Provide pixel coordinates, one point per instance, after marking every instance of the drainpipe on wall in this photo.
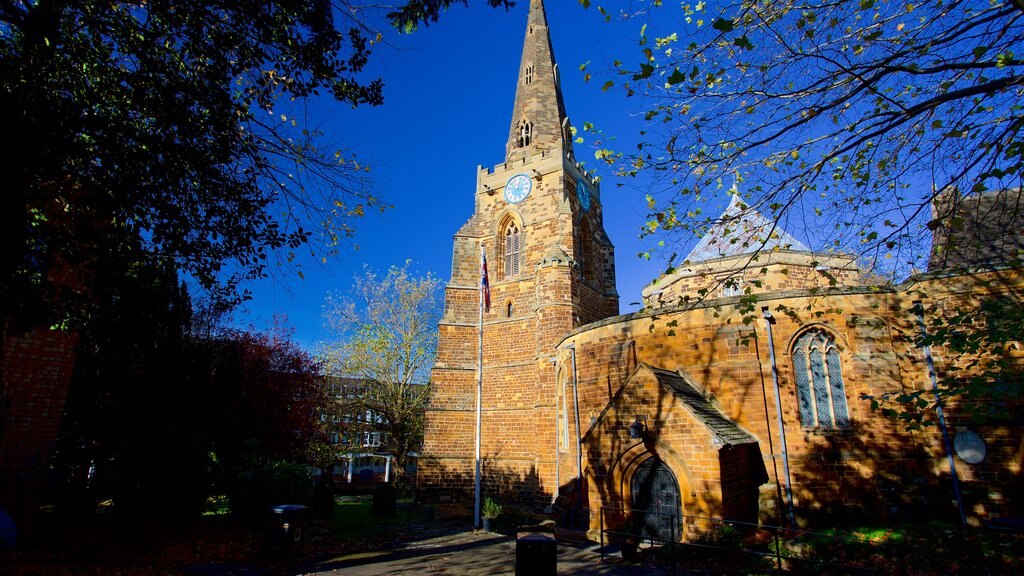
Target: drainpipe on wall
(768, 320)
(579, 436)
(938, 410)
(558, 481)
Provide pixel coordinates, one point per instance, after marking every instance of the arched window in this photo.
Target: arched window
(512, 240)
(819, 381)
(509, 310)
(732, 287)
(582, 249)
(525, 133)
(528, 75)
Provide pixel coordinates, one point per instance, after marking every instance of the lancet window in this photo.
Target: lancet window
(525, 133)
(512, 240)
(819, 381)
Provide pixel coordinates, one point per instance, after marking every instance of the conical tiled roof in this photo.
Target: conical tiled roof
(742, 230)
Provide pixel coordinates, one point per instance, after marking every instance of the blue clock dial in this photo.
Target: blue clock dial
(518, 188)
(583, 193)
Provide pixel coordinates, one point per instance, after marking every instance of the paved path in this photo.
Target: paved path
(469, 553)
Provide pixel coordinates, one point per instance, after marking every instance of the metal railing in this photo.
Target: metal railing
(730, 541)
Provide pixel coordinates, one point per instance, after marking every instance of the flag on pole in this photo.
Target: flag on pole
(485, 284)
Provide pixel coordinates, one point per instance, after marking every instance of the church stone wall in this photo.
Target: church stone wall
(875, 466)
(547, 300)
(772, 272)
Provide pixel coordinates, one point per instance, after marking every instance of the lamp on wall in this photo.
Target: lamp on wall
(638, 429)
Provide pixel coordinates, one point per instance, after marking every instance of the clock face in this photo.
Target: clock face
(583, 193)
(518, 188)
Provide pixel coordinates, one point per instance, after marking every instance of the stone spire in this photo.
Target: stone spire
(538, 116)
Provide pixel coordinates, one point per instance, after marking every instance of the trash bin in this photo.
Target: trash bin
(385, 501)
(536, 555)
(285, 526)
(323, 501)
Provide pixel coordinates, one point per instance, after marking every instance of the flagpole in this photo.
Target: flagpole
(479, 390)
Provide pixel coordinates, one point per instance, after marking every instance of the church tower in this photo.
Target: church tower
(538, 218)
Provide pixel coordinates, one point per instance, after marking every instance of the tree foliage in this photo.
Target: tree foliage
(415, 12)
(387, 339)
(984, 369)
(158, 418)
(842, 120)
(182, 127)
(172, 124)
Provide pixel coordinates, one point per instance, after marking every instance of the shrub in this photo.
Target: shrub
(274, 483)
(491, 508)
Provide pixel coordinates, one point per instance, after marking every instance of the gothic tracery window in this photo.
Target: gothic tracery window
(819, 381)
(525, 133)
(528, 76)
(512, 239)
(582, 249)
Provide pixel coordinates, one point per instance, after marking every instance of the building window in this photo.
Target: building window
(528, 75)
(819, 381)
(371, 439)
(582, 249)
(525, 133)
(512, 238)
(732, 287)
(509, 311)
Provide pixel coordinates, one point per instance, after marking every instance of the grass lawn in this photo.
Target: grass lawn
(109, 546)
(925, 549)
(353, 518)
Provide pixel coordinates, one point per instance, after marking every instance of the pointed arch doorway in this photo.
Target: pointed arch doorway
(657, 507)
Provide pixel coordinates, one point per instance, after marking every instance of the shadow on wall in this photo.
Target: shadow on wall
(444, 484)
(852, 476)
(872, 470)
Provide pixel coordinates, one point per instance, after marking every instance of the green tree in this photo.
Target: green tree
(132, 425)
(843, 119)
(170, 123)
(175, 135)
(264, 397)
(158, 418)
(180, 125)
(984, 371)
(387, 340)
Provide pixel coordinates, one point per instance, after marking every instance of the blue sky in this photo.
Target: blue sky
(449, 90)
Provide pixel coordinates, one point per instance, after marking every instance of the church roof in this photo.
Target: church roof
(742, 230)
(977, 230)
(719, 424)
(538, 93)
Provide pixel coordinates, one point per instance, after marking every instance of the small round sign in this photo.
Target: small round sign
(970, 447)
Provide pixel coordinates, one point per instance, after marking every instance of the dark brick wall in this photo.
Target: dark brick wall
(37, 370)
